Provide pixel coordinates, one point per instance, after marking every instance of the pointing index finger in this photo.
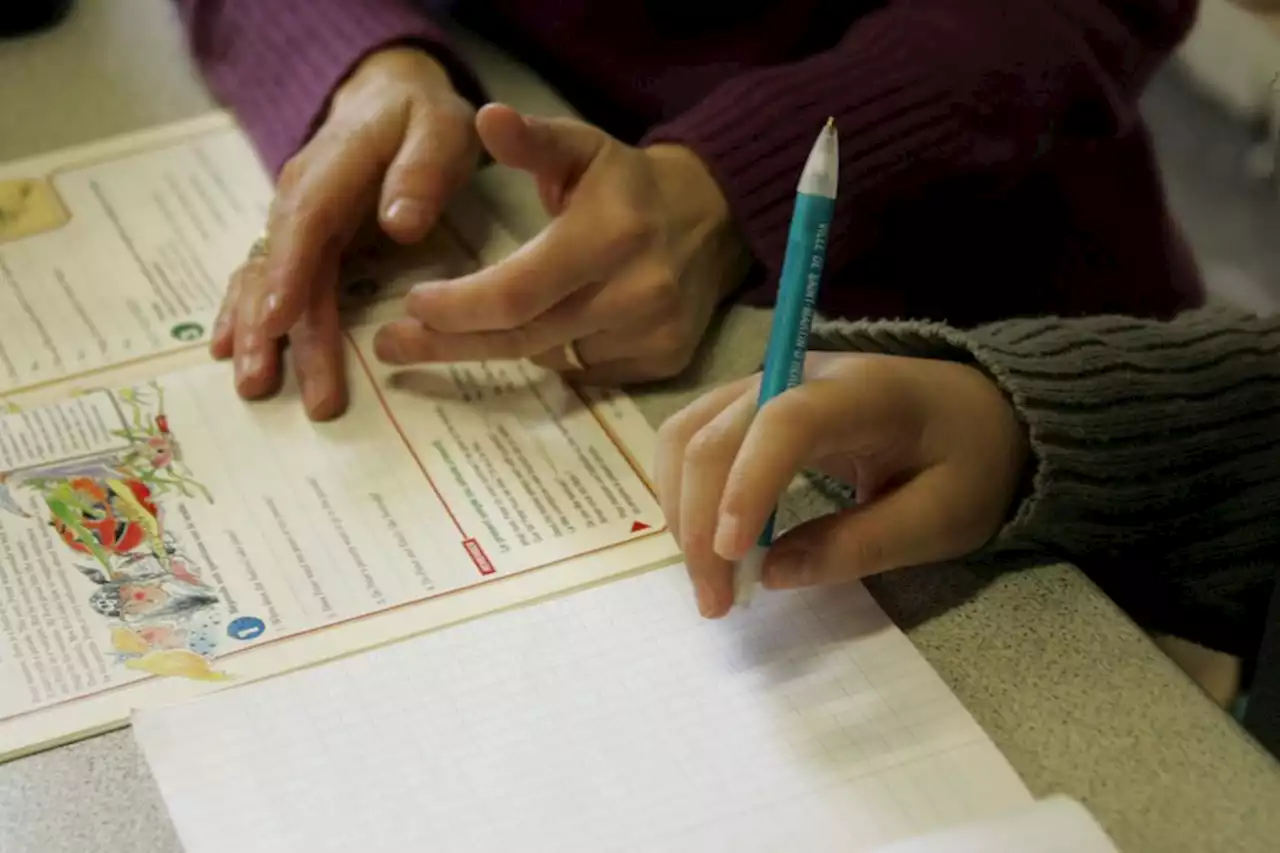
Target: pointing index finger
(775, 448)
(854, 412)
(576, 249)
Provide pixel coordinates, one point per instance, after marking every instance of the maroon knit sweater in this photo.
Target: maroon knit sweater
(993, 161)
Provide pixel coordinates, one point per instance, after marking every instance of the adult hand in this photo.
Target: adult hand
(640, 251)
(933, 448)
(397, 142)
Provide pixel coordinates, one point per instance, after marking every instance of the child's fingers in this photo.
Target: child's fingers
(674, 436)
(856, 414)
(708, 457)
(776, 446)
(911, 526)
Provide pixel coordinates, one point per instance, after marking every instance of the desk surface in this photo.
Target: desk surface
(1076, 697)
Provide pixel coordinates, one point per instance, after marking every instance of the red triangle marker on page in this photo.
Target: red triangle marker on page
(638, 526)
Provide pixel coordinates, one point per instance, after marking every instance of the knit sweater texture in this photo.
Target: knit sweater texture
(993, 159)
(1156, 463)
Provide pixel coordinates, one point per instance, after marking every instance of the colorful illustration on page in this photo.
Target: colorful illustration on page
(108, 511)
(29, 207)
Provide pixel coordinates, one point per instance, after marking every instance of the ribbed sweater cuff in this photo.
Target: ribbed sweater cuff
(275, 63)
(895, 106)
(1146, 435)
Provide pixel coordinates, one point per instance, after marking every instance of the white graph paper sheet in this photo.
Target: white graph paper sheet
(611, 719)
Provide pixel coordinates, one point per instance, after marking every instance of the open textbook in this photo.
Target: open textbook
(612, 718)
(160, 538)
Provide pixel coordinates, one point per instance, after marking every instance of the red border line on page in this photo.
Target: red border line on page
(487, 578)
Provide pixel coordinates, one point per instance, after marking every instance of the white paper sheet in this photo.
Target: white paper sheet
(1055, 825)
(611, 719)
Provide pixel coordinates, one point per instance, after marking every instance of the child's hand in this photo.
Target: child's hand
(933, 448)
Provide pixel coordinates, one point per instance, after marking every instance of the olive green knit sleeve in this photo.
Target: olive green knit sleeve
(1156, 442)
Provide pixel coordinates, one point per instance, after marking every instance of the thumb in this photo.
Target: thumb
(429, 167)
(553, 149)
(922, 522)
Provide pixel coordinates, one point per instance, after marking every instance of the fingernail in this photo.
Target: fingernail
(314, 392)
(255, 313)
(424, 287)
(784, 568)
(387, 348)
(270, 305)
(406, 213)
(249, 364)
(707, 604)
(727, 535)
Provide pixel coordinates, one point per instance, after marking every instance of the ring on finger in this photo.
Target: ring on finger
(572, 357)
(260, 247)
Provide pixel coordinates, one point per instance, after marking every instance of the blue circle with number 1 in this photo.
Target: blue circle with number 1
(246, 628)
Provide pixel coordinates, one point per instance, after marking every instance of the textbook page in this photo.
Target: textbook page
(159, 537)
(163, 538)
(119, 251)
(614, 718)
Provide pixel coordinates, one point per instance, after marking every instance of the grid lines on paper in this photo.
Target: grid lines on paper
(612, 719)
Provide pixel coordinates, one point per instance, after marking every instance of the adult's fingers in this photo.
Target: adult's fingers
(257, 362)
(434, 161)
(707, 460)
(323, 195)
(316, 347)
(557, 150)
(409, 342)
(795, 427)
(586, 242)
(612, 359)
(222, 340)
(257, 354)
(578, 248)
(922, 522)
(580, 315)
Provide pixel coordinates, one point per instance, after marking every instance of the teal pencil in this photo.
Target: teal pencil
(793, 313)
